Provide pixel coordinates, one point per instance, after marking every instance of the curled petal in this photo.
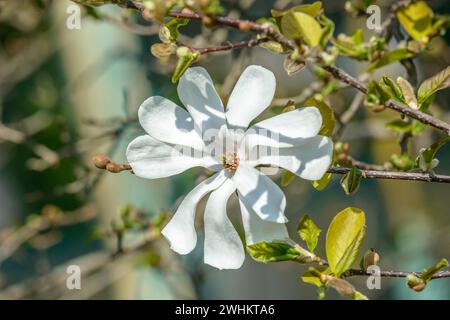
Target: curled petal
(223, 247)
(180, 231)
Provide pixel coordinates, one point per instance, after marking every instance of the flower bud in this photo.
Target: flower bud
(114, 167)
(371, 258)
(101, 161)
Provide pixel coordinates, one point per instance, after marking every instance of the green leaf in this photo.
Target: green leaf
(353, 46)
(399, 125)
(376, 96)
(301, 26)
(351, 180)
(426, 159)
(185, 58)
(327, 30)
(392, 89)
(359, 296)
(169, 32)
(427, 274)
(344, 237)
(390, 57)
(287, 178)
(310, 9)
(408, 93)
(272, 251)
(402, 162)
(416, 19)
(313, 275)
(328, 119)
(272, 46)
(308, 232)
(433, 84)
(321, 184)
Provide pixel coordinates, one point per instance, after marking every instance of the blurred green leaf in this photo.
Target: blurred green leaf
(344, 238)
(272, 251)
(419, 21)
(308, 232)
(402, 162)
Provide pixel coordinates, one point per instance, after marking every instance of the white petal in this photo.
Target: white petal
(164, 120)
(257, 230)
(153, 159)
(196, 91)
(260, 193)
(251, 95)
(223, 247)
(286, 129)
(180, 231)
(309, 161)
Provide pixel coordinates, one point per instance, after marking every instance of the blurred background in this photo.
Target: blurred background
(66, 95)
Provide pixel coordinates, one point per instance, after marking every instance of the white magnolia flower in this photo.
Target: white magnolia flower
(231, 151)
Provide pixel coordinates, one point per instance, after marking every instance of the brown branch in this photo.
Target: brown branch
(339, 74)
(231, 46)
(395, 175)
(394, 274)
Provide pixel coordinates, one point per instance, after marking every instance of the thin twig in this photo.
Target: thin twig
(395, 175)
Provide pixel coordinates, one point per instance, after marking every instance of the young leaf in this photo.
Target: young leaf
(426, 159)
(327, 113)
(408, 93)
(351, 180)
(169, 32)
(301, 26)
(309, 232)
(427, 274)
(313, 275)
(272, 251)
(344, 237)
(433, 84)
(392, 89)
(321, 184)
(390, 57)
(399, 125)
(292, 65)
(402, 162)
(311, 9)
(185, 58)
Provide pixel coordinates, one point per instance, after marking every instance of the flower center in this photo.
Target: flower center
(230, 162)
